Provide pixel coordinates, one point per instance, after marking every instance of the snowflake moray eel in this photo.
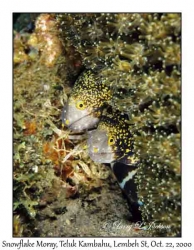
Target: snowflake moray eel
(86, 102)
(112, 141)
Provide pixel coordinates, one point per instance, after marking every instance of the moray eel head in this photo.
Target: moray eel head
(86, 101)
(99, 149)
(112, 140)
(77, 117)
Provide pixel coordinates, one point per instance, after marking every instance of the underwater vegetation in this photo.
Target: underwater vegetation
(139, 58)
(45, 165)
(135, 61)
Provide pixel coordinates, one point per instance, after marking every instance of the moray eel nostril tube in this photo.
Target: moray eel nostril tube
(86, 101)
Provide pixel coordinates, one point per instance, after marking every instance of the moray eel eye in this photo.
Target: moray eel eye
(111, 140)
(80, 105)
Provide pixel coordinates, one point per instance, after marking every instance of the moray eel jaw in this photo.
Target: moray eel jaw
(78, 120)
(98, 148)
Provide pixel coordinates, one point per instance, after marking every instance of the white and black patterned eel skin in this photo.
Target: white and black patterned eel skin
(111, 141)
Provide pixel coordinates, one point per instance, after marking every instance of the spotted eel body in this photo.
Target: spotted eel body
(112, 141)
(85, 104)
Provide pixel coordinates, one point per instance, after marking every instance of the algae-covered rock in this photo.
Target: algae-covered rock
(139, 57)
(57, 188)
